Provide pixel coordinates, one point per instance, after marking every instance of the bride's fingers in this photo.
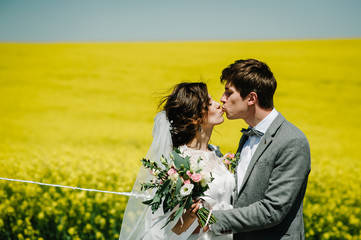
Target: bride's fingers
(195, 203)
(195, 207)
(206, 228)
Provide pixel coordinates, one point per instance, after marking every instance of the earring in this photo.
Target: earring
(199, 128)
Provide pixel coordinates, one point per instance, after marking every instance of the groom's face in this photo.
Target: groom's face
(233, 105)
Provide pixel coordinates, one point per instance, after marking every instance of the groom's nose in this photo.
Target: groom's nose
(223, 98)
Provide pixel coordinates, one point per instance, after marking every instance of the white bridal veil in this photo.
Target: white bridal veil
(138, 220)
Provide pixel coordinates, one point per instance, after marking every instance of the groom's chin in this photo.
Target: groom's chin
(230, 117)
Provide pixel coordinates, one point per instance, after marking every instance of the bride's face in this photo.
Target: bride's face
(215, 113)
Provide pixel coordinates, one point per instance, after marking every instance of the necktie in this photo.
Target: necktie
(252, 132)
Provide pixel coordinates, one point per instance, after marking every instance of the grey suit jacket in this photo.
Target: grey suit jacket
(270, 202)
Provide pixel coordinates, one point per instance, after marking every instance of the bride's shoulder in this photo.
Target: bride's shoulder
(214, 152)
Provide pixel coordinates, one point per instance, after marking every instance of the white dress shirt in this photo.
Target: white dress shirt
(251, 145)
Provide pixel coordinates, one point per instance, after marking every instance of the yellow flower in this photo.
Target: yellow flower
(60, 227)
(10, 210)
(19, 222)
(41, 215)
(102, 222)
(71, 231)
(99, 235)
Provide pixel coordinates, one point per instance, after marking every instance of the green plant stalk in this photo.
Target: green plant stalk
(203, 214)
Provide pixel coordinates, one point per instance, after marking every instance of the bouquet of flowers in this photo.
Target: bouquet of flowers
(177, 183)
(231, 160)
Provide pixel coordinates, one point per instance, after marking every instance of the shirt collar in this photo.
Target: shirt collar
(267, 121)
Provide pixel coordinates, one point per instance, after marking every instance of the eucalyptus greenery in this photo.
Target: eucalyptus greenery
(177, 183)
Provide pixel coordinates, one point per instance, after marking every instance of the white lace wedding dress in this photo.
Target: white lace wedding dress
(219, 192)
(139, 223)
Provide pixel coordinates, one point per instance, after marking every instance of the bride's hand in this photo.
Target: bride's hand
(195, 207)
(188, 217)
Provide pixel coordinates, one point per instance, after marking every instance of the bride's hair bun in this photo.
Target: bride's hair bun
(186, 108)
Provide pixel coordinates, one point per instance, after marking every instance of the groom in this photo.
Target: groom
(271, 176)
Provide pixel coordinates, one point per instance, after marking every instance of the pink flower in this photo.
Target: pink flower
(189, 174)
(196, 177)
(229, 155)
(187, 182)
(227, 161)
(172, 171)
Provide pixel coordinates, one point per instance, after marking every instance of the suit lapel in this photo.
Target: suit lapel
(242, 142)
(263, 145)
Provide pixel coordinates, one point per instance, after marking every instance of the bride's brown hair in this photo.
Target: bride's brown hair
(186, 108)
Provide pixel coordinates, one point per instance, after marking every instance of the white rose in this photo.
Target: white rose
(206, 177)
(174, 177)
(186, 189)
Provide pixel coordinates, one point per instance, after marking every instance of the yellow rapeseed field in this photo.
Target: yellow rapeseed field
(81, 115)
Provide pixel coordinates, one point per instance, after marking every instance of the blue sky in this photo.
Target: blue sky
(171, 20)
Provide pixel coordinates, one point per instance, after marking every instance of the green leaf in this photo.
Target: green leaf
(179, 185)
(177, 150)
(178, 213)
(156, 199)
(156, 202)
(179, 160)
(188, 163)
(175, 216)
(148, 202)
(189, 203)
(167, 204)
(165, 187)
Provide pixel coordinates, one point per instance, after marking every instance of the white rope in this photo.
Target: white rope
(209, 217)
(144, 196)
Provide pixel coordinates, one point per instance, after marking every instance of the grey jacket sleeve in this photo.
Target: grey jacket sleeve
(286, 182)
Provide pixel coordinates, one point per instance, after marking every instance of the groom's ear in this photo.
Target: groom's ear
(252, 98)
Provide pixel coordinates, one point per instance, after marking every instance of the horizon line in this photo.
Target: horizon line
(181, 41)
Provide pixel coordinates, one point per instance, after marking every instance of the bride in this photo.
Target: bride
(187, 123)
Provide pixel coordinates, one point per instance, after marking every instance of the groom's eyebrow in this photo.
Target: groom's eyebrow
(227, 89)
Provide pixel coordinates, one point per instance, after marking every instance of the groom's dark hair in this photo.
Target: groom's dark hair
(251, 75)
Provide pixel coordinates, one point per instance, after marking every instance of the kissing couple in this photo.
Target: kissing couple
(263, 197)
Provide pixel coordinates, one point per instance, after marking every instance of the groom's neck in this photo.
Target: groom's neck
(257, 115)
